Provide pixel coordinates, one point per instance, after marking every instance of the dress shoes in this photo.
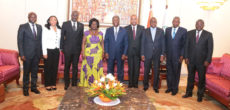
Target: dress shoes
(25, 93)
(36, 91)
(199, 99)
(156, 90)
(187, 95)
(168, 91)
(145, 89)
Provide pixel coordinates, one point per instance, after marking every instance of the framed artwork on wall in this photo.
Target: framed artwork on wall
(104, 10)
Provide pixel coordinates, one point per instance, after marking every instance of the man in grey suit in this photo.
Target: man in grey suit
(30, 51)
(135, 34)
(152, 51)
(198, 55)
(175, 38)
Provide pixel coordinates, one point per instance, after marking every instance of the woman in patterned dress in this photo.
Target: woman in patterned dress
(92, 53)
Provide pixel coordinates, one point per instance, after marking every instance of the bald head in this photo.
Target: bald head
(199, 24)
(74, 16)
(176, 21)
(153, 22)
(32, 17)
(133, 20)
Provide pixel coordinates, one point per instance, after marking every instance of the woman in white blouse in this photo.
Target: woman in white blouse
(51, 36)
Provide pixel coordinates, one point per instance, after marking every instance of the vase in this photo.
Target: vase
(103, 98)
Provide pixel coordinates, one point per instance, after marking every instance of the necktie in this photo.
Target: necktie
(115, 34)
(134, 33)
(174, 33)
(197, 36)
(34, 32)
(74, 26)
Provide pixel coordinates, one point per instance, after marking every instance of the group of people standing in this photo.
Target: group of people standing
(133, 42)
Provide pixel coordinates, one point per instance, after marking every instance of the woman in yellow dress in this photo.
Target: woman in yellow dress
(92, 53)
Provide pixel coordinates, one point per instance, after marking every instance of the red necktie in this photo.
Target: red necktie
(134, 34)
(197, 37)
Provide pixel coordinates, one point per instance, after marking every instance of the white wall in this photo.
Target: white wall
(14, 13)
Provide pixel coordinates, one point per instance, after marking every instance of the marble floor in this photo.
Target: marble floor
(49, 100)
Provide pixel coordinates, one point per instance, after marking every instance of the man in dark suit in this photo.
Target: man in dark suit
(175, 38)
(198, 55)
(116, 45)
(30, 51)
(71, 41)
(152, 51)
(135, 33)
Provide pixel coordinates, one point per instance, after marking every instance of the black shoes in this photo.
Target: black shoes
(199, 99)
(174, 93)
(136, 86)
(187, 95)
(145, 89)
(49, 89)
(168, 91)
(156, 90)
(132, 86)
(36, 91)
(25, 93)
(129, 86)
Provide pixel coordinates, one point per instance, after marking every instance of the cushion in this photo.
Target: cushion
(8, 71)
(225, 71)
(215, 67)
(221, 85)
(1, 60)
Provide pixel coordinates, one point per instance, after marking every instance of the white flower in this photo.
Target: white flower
(102, 79)
(114, 84)
(96, 81)
(107, 86)
(121, 84)
(110, 76)
(99, 84)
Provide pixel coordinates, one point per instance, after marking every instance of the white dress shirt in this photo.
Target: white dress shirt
(118, 27)
(200, 32)
(50, 39)
(31, 27)
(75, 24)
(135, 27)
(173, 31)
(153, 32)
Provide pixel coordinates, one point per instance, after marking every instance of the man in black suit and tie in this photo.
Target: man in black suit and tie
(198, 55)
(152, 51)
(135, 33)
(71, 41)
(175, 38)
(30, 51)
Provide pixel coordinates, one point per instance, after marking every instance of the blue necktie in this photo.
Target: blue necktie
(174, 33)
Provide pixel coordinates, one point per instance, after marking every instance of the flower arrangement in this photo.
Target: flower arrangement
(107, 88)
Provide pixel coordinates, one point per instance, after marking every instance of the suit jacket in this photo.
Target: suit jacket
(116, 48)
(175, 47)
(134, 47)
(71, 40)
(198, 53)
(153, 49)
(28, 46)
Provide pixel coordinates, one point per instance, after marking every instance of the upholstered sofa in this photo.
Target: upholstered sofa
(62, 63)
(218, 79)
(9, 67)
